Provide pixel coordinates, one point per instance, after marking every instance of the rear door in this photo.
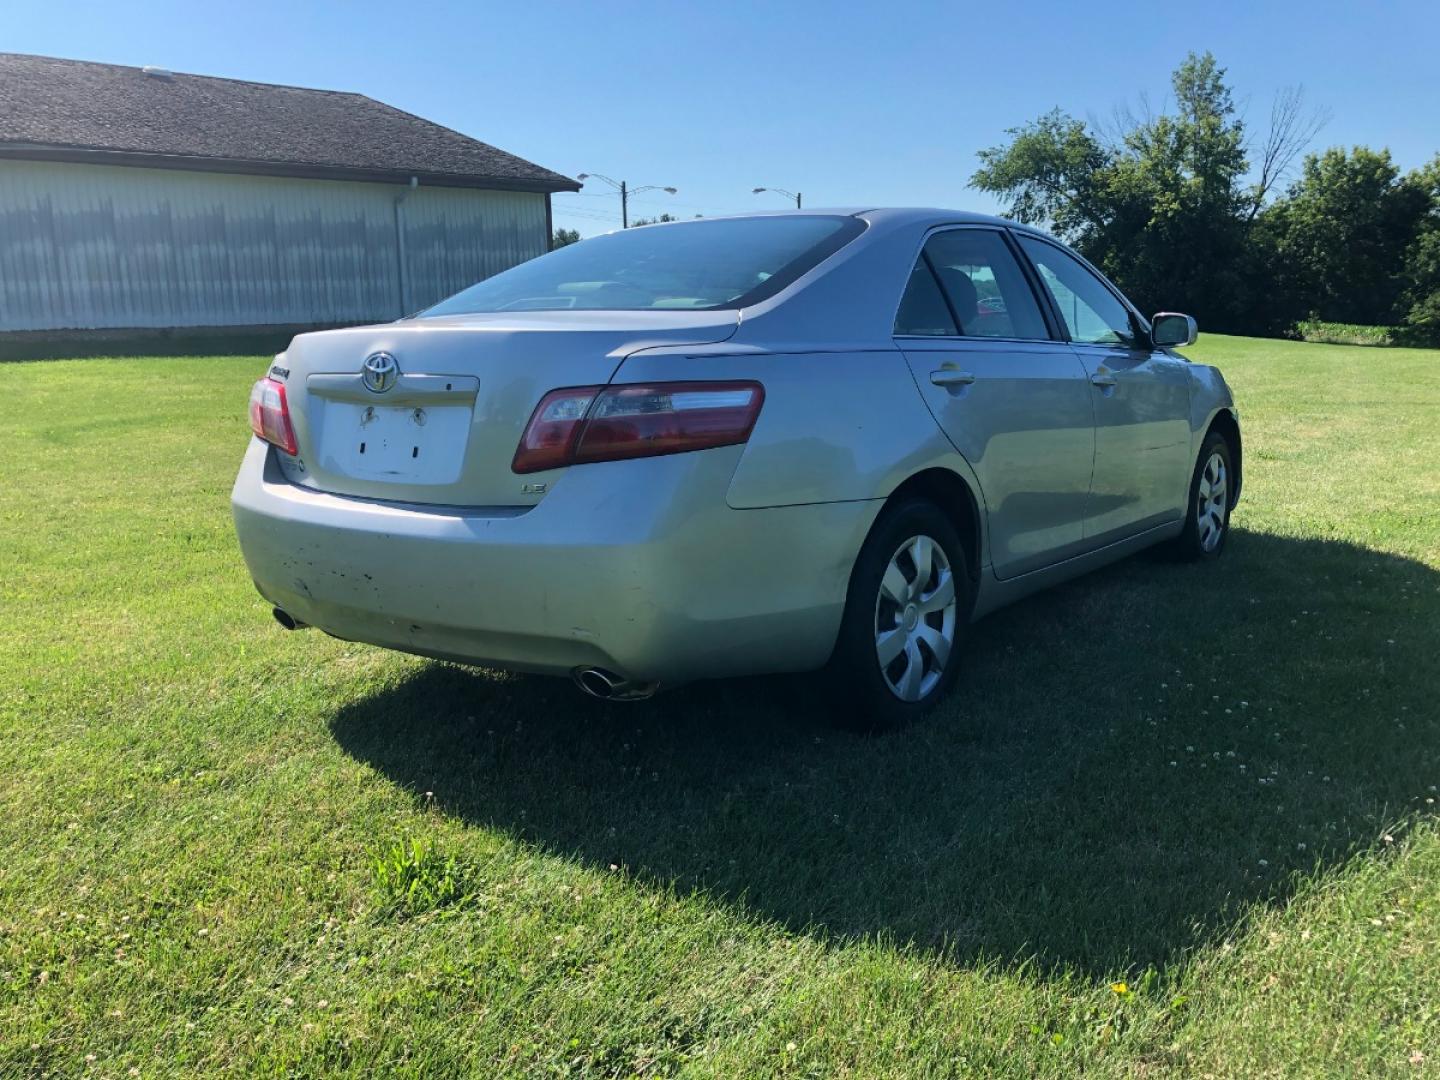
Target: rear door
(1141, 398)
(1015, 402)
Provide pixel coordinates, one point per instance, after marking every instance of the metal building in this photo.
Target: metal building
(137, 198)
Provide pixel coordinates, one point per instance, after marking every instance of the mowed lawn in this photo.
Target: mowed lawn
(1175, 820)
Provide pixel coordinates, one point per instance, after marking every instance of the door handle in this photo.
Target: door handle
(951, 377)
(1102, 380)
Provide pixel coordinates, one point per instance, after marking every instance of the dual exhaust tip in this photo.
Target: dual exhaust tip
(597, 682)
(607, 686)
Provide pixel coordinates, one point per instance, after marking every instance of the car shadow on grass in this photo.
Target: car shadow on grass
(1129, 762)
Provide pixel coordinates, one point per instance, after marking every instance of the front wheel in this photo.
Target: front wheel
(909, 603)
(1212, 487)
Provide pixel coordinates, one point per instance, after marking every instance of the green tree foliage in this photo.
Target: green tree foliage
(564, 238)
(1422, 285)
(1160, 209)
(1342, 234)
(1173, 208)
(1181, 182)
(1053, 170)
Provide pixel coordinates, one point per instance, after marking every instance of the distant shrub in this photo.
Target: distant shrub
(1333, 333)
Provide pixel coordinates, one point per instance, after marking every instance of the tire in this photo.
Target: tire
(1207, 512)
(888, 597)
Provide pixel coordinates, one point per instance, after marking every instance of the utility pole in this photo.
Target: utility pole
(779, 191)
(625, 191)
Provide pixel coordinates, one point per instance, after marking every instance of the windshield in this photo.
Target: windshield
(691, 265)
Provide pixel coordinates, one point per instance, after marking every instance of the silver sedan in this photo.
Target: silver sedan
(782, 442)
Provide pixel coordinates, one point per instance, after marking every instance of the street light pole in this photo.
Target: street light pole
(779, 191)
(625, 191)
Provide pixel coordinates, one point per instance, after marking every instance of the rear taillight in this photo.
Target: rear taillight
(270, 415)
(554, 429)
(594, 423)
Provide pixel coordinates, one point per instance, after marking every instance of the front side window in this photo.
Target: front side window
(967, 281)
(691, 265)
(1091, 311)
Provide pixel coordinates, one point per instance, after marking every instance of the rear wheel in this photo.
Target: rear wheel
(905, 616)
(1212, 493)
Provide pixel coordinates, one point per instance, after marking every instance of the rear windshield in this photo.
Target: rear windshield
(689, 265)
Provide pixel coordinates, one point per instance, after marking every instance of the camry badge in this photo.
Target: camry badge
(379, 372)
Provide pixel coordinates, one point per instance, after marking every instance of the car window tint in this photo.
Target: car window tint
(1091, 311)
(987, 290)
(923, 309)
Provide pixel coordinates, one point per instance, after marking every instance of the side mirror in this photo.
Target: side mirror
(1170, 329)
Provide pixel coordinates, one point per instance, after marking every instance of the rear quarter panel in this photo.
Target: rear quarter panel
(836, 426)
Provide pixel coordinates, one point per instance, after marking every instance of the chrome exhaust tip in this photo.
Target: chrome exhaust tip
(597, 682)
(607, 686)
(288, 621)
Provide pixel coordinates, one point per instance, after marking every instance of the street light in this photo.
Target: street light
(780, 191)
(625, 192)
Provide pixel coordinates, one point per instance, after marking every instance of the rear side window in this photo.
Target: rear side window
(1091, 311)
(979, 285)
(923, 309)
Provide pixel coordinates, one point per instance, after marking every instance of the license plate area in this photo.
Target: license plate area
(416, 444)
(416, 433)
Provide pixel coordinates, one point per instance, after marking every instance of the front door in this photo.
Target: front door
(1141, 398)
(1015, 403)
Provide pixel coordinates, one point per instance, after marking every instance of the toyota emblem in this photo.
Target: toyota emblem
(379, 372)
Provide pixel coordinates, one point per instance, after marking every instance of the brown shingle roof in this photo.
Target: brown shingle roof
(80, 110)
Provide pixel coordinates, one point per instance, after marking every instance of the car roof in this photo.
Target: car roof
(931, 215)
(881, 215)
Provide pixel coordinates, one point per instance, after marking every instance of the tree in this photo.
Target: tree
(1180, 187)
(1421, 297)
(652, 221)
(564, 238)
(1053, 170)
(1292, 128)
(1163, 205)
(1343, 233)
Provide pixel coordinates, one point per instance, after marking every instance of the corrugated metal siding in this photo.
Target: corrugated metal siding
(453, 239)
(100, 247)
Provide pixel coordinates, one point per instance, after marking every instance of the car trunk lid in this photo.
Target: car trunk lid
(438, 414)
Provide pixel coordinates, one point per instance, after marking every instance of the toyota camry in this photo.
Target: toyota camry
(808, 441)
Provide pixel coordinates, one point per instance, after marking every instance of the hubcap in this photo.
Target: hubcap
(915, 618)
(1210, 504)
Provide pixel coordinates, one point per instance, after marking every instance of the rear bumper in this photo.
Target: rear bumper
(635, 566)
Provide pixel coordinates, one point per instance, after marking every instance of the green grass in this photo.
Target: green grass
(1214, 785)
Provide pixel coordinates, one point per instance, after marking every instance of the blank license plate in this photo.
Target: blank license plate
(400, 443)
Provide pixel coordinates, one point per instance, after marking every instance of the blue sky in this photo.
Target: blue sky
(874, 104)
